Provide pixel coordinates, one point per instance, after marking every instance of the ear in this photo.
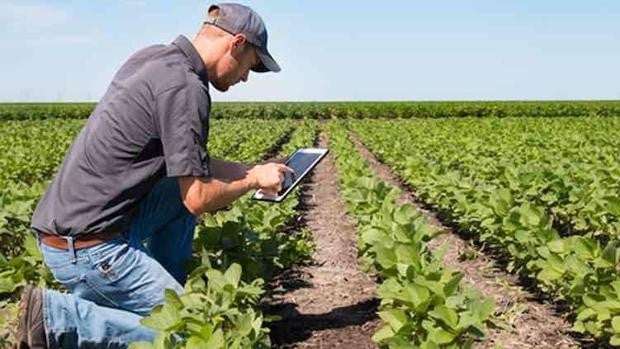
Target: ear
(238, 41)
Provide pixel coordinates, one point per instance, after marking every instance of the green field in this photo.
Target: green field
(331, 110)
(536, 185)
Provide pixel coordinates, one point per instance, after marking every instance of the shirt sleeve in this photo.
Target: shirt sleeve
(179, 116)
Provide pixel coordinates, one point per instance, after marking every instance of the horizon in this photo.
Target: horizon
(360, 101)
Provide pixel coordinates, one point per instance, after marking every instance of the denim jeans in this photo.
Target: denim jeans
(114, 284)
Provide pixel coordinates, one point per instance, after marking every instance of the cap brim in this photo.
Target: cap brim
(267, 63)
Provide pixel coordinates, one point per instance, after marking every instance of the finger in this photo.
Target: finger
(275, 190)
(269, 191)
(284, 168)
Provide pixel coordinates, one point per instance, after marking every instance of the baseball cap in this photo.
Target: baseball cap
(240, 19)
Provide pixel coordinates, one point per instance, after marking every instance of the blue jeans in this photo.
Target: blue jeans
(114, 284)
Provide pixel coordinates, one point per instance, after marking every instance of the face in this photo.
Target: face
(235, 64)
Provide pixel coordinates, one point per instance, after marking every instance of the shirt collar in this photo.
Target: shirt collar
(192, 55)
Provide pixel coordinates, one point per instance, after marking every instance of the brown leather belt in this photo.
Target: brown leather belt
(79, 242)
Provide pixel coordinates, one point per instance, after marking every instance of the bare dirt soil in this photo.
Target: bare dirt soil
(527, 321)
(330, 303)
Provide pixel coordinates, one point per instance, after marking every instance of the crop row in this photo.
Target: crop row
(32, 150)
(330, 110)
(423, 305)
(543, 193)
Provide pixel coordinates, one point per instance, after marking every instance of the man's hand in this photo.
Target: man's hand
(269, 177)
(202, 195)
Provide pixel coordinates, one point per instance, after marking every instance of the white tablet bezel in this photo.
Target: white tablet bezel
(321, 151)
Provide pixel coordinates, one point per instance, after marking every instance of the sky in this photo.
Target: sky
(331, 50)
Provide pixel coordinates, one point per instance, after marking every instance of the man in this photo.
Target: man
(116, 224)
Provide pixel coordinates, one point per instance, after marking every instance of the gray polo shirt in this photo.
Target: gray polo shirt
(153, 121)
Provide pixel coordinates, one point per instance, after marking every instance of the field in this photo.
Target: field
(429, 225)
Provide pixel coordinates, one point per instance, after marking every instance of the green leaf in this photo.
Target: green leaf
(530, 215)
(615, 324)
(6, 285)
(447, 315)
(583, 248)
(441, 336)
(548, 275)
(416, 294)
(386, 257)
(195, 342)
(592, 299)
(384, 333)
(556, 246)
(429, 345)
(162, 318)
(216, 279)
(405, 254)
(585, 314)
(217, 340)
(233, 274)
(523, 236)
(244, 326)
(403, 269)
(613, 205)
(485, 309)
(396, 318)
(579, 327)
(452, 285)
(404, 215)
(172, 298)
(30, 245)
(372, 236)
(610, 253)
(501, 201)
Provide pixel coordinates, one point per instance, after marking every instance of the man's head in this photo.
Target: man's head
(231, 42)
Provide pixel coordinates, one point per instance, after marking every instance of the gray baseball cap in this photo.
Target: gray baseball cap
(240, 19)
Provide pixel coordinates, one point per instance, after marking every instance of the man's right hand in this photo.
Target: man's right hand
(268, 177)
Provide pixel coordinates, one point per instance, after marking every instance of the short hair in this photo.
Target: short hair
(213, 11)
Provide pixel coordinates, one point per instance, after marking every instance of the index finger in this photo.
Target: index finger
(284, 168)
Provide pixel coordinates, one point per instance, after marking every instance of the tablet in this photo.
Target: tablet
(302, 161)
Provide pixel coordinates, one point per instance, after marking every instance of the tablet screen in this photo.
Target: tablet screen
(300, 162)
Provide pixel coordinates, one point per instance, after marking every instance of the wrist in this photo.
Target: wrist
(250, 180)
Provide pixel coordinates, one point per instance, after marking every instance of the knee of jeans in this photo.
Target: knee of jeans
(137, 284)
(156, 295)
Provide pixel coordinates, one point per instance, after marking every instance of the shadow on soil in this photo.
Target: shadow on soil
(296, 327)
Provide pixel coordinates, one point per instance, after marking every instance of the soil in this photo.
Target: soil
(525, 321)
(331, 303)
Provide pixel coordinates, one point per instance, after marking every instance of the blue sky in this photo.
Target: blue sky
(332, 50)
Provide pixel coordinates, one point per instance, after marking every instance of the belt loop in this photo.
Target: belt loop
(71, 248)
